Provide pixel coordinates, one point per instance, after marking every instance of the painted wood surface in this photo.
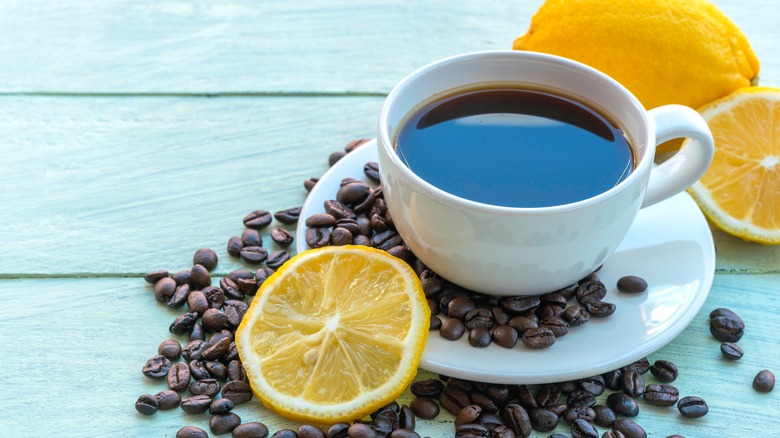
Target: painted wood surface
(134, 132)
(200, 46)
(74, 348)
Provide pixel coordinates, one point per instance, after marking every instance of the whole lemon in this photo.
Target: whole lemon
(664, 51)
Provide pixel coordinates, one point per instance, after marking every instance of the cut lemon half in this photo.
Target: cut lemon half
(740, 192)
(335, 334)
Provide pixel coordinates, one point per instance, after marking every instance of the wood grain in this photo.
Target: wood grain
(198, 46)
(76, 348)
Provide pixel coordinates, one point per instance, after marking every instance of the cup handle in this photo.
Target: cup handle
(686, 166)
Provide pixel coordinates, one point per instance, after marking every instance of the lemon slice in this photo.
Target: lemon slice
(740, 192)
(335, 334)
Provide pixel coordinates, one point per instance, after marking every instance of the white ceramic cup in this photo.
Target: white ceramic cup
(527, 251)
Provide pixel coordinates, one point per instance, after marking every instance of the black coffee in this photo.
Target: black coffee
(515, 147)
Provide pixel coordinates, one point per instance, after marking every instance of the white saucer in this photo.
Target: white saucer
(669, 245)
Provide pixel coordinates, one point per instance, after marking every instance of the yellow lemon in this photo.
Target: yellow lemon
(664, 51)
(740, 192)
(335, 334)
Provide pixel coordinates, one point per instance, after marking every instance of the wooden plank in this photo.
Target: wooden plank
(136, 46)
(124, 186)
(77, 347)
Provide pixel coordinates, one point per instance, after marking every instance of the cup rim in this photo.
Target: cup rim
(642, 163)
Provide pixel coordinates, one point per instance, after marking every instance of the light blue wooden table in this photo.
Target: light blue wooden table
(134, 132)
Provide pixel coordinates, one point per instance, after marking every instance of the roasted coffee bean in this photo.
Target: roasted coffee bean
(613, 379)
(169, 348)
(363, 206)
(167, 399)
(401, 252)
(353, 193)
(196, 404)
(146, 404)
(262, 274)
(317, 237)
(427, 388)
(247, 286)
(548, 395)
(235, 311)
(600, 309)
(155, 276)
(406, 418)
(371, 170)
(216, 369)
(501, 431)
(164, 289)
(591, 291)
(581, 398)
(254, 254)
(215, 296)
(360, 430)
(221, 406)
(573, 414)
(543, 420)
(483, 401)
(197, 302)
(518, 305)
(182, 277)
(661, 394)
(452, 329)
(632, 284)
(179, 296)
(664, 370)
(500, 317)
(232, 292)
(583, 429)
(338, 210)
(731, 351)
(320, 220)
(217, 349)
(642, 366)
(224, 333)
(335, 156)
(548, 311)
(526, 397)
(193, 350)
(391, 407)
(238, 274)
(277, 258)
(252, 429)
(209, 387)
(472, 430)
(623, 404)
(633, 383)
(764, 381)
(205, 257)
(386, 240)
(727, 328)
(157, 367)
(505, 336)
(479, 337)
(361, 240)
(556, 324)
(286, 433)
(309, 431)
(604, 416)
(200, 277)
(692, 407)
(234, 246)
(235, 371)
(424, 407)
(516, 418)
(179, 376)
(594, 384)
(191, 432)
(435, 323)
(468, 414)
(338, 430)
(613, 434)
(538, 337)
(257, 219)
(232, 353)
(309, 184)
(569, 386)
(214, 320)
(224, 423)
(629, 428)
(282, 237)
(576, 316)
(522, 323)
(288, 216)
(558, 409)
(238, 391)
(478, 317)
(197, 332)
(499, 393)
(251, 237)
(454, 399)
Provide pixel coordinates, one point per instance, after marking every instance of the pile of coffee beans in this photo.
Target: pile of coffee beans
(205, 375)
